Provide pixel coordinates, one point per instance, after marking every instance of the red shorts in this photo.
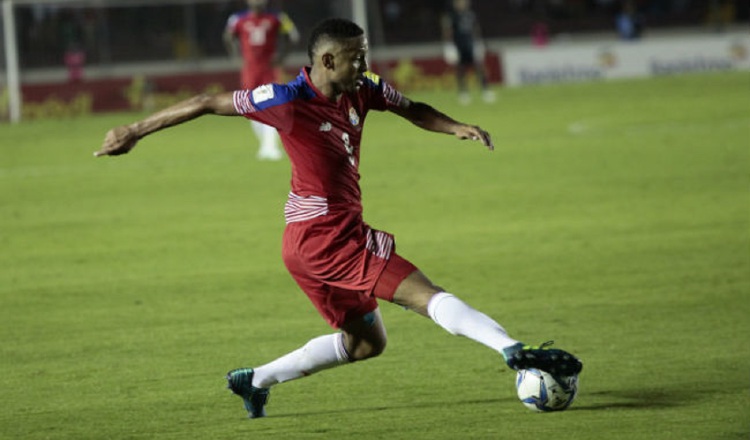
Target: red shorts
(343, 265)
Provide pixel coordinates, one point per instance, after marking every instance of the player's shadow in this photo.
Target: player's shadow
(635, 399)
(426, 404)
(601, 400)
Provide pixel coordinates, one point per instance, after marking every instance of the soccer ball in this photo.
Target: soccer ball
(540, 391)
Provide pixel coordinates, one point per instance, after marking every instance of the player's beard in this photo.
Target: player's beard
(351, 86)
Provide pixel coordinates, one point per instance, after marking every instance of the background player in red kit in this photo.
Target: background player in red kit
(262, 38)
(339, 261)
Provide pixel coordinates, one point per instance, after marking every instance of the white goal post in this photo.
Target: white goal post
(11, 62)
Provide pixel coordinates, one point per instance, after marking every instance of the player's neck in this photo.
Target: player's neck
(320, 81)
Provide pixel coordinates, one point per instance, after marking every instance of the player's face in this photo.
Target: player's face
(351, 63)
(461, 5)
(257, 4)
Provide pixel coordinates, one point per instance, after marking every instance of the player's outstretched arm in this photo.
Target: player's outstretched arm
(425, 116)
(122, 139)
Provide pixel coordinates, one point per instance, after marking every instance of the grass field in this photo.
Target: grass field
(613, 218)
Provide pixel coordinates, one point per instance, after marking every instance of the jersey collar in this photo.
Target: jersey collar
(305, 72)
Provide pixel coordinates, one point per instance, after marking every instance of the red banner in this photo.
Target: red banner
(150, 93)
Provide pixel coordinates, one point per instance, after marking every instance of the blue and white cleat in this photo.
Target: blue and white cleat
(240, 381)
(557, 362)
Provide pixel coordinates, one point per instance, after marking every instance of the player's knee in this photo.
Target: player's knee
(365, 338)
(367, 349)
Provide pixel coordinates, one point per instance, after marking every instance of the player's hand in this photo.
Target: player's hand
(474, 133)
(118, 140)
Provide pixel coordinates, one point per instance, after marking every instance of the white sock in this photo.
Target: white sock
(318, 354)
(258, 130)
(269, 139)
(459, 318)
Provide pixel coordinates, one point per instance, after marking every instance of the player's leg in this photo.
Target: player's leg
(416, 292)
(258, 130)
(362, 336)
(252, 77)
(253, 384)
(464, 97)
(465, 62)
(269, 143)
(487, 94)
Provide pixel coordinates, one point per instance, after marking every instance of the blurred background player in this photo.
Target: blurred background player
(629, 22)
(263, 38)
(464, 48)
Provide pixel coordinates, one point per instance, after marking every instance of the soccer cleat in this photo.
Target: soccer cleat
(240, 381)
(552, 360)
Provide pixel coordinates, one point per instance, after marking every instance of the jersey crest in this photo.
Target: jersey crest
(353, 116)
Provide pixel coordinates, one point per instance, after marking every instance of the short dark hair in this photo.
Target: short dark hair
(333, 28)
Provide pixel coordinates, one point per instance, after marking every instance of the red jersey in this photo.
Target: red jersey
(258, 34)
(335, 257)
(320, 137)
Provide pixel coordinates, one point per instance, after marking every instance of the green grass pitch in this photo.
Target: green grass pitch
(613, 218)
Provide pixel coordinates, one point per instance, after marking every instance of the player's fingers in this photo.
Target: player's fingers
(118, 141)
(106, 147)
(476, 134)
(105, 151)
(481, 135)
(487, 140)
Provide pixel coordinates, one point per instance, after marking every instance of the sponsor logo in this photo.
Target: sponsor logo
(690, 64)
(738, 51)
(325, 126)
(530, 75)
(607, 59)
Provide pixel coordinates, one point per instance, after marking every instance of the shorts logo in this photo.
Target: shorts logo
(263, 93)
(353, 116)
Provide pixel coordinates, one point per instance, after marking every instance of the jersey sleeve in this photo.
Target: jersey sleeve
(269, 104)
(382, 95)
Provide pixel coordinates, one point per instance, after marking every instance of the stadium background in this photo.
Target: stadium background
(612, 217)
(143, 55)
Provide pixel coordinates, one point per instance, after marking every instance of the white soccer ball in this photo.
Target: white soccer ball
(540, 391)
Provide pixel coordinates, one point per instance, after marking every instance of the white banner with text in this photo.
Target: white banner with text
(599, 61)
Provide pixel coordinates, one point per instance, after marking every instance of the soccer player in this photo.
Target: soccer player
(263, 38)
(338, 260)
(461, 33)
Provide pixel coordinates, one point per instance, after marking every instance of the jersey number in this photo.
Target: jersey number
(349, 148)
(256, 33)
